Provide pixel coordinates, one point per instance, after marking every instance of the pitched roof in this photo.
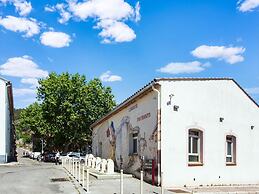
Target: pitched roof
(155, 81)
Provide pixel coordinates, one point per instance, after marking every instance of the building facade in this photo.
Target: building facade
(191, 131)
(7, 131)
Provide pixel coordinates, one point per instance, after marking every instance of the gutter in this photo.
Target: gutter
(158, 133)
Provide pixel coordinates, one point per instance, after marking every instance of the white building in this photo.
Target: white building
(7, 132)
(199, 131)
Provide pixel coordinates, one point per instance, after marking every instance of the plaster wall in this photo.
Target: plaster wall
(201, 104)
(112, 138)
(2, 121)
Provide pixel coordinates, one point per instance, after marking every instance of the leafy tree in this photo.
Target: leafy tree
(31, 125)
(69, 105)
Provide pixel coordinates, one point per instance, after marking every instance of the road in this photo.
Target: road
(30, 176)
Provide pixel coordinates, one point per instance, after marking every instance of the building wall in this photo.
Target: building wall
(201, 104)
(2, 121)
(8, 128)
(114, 134)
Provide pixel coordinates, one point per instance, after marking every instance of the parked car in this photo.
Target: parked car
(49, 157)
(35, 155)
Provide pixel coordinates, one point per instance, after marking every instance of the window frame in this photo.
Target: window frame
(199, 147)
(135, 139)
(232, 140)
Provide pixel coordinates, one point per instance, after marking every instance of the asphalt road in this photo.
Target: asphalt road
(30, 176)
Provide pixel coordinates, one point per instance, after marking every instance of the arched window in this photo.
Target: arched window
(230, 150)
(195, 143)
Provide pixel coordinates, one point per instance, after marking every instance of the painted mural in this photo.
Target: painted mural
(116, 135)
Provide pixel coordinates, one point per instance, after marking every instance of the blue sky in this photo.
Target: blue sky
(127, 43)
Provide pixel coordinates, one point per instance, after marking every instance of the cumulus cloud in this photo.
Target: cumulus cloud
(228, 54)
(29, 27)
(187, 67)
(108, 77)
(110, 16)
(252, 91)
(23, 92)
(29, 72)
(137, 12)
(22, 67)
(55, 39)
(23, 7)
(248, 5)
(113, 31)
(31, 81)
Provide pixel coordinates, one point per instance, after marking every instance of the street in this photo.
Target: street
(30, 176)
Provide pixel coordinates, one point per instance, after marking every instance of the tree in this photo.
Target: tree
(31, 125)
(70, 105)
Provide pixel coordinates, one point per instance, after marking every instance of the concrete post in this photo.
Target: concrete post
(79, 172)
(141, 182)
(72, 166)
(75, 169)
(121, 187)
(87, 180)
(83, 175)
(62, 162)
(162, 184)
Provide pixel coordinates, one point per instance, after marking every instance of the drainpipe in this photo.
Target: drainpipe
(158, 134)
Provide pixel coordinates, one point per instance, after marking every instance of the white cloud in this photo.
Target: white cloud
(48, 8)
(55, 39)
(108, 77)
(23, 92)
(102, 9)
(179, 67)
(22, 67)
(29, 27)
(110, 16)
(113, 31)
(31, 81)
(248, 5)
(137, 12)
(229, 54)
(252, 91)
(23, 7)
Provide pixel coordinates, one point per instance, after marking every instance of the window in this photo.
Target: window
(135, 143)
(195, 146)
(100, 149)
(230, 149)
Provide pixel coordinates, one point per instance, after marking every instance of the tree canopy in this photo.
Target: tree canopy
(68, 105)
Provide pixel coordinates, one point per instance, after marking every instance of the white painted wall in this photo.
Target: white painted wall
(2, 118)
(201, 104)
(125, 122)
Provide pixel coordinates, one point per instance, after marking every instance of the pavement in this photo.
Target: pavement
(28, 176)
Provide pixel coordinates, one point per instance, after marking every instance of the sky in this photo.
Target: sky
(127, 43)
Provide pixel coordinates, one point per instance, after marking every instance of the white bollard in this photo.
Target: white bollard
(121, 187)
(87, 180)
(83, 175)
(162, 185)
(141, 182)
(73, 167)
(79, 172)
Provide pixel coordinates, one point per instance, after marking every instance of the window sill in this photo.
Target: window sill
(231, 164)
(195, 164)
(133, 154)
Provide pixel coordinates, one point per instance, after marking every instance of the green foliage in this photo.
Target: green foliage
(69, 105)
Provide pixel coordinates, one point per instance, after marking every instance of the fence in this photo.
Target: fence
(81, 173)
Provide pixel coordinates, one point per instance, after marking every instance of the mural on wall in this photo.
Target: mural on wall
(110, 133)
(119, 138)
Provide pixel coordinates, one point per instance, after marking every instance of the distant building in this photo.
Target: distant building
(7, 130)
(195, 131)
